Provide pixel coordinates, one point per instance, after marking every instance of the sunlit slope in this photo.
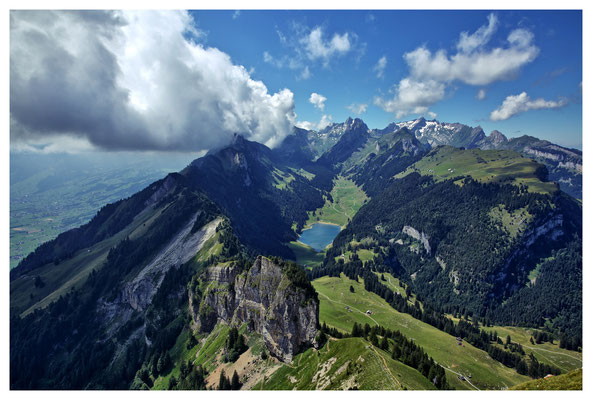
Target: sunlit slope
(346, 199)
(570, 381)
(547, 353)
(484, 165)
(335, 294)
(351, 363)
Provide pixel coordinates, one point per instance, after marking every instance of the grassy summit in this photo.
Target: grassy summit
(483, 165)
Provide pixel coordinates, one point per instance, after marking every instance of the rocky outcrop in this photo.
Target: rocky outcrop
(552, 228)
(138, 293)
(421, 236)
(265, 299)
(495, 140)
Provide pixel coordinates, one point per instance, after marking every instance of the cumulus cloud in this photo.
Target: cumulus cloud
(317, 47)
(308, 47)
(133, 81)
(412, 97)
(432, 114)
(478, 67)
(308, 125)
(318, 100)
(380, 67)
(474, 63)
(357, 109)
(481, 94)
(520, 103)
(325, 121)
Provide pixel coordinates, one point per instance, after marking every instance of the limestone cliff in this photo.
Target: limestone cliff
(264, 296)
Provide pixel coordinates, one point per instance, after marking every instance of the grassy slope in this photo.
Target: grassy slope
(306, 255)
(486, 373)
(347, 200)
(570, 381)
(205, 353)
(482, 165)
(393, 283)
(346, 363)
(61, 278)
(547, 353)
(53, 200)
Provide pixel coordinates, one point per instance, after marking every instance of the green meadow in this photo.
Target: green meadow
(335, 295)
(483, 165)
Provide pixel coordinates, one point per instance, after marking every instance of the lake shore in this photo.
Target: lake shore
(319, 236)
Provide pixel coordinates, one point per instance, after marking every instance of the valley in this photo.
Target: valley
(345, 200)
(414, 285)
(296, 199)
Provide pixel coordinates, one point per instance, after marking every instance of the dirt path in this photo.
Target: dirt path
(387, 369)
(454, 372)
(353, 308)
(337, 211)
(554, 352)
(395, 288)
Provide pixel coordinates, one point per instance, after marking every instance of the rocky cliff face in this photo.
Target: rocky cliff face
(265, 299)
(417, 235)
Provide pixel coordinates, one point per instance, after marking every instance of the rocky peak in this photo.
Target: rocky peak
(268, 297)
(497, 136)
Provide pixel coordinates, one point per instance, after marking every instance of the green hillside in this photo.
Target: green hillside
(335, 295)
(548, 353)
(483, 165)
(351, 363)
(570, 381)
(346, 200)
(60, 277)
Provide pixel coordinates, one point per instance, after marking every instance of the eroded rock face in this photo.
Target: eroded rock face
(263, 297)
(417, 235)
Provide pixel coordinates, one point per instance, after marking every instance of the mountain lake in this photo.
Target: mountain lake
(319, 235)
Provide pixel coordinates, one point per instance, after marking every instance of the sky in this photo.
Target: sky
(187, 80)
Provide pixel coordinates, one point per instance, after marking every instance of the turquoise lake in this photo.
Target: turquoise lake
(319, 235)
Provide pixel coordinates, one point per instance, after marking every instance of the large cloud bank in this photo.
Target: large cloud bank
(132, 81)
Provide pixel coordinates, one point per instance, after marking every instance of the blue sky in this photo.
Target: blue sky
(186, 81)
(554, 74)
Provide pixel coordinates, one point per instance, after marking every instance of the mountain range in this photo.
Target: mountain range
(190, 278)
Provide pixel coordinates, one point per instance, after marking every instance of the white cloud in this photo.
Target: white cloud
(357, 109)
(309, 47)
(316, 47)
(479, 67)
(133, 80)
(325, 121)
(308, 125)
(432, 114)
(305, 73)
(236, 14)
(380, 67)
(412, 97)
(318, 100)
(473, 64)
(468, 43)
(520, 103)
(481, 94)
